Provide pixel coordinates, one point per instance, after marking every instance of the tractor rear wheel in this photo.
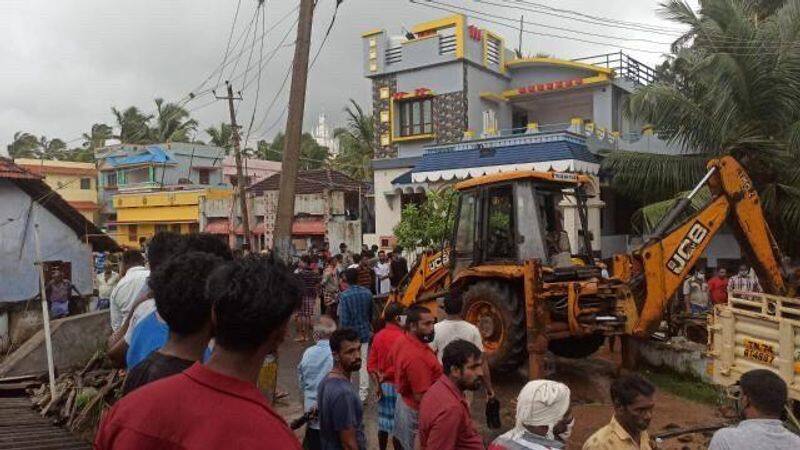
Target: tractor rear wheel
(498, 312)
(576, 347)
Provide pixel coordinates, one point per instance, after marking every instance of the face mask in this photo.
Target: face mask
(563, 437)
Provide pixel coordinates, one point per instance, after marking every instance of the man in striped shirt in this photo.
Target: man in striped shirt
(744, 281)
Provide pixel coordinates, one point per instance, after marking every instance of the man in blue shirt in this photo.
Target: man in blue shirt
(355, 311)
(317, 361)
(341, 414)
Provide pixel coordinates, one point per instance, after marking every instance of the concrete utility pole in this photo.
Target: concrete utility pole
(282, 236)
(240, 183)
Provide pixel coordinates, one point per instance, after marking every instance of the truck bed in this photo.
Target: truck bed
(756, 331)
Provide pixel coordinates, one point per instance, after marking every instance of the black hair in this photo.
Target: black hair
(178, 287)
(132, 258)
(251, 297)
(457, 353)
(163, 245)
(208, 243)
(398, 249)
(453, 303)
(392, 311)
(351, 276)
(381, 251)
(625, 389)
(339, 257)
(342, 245)
(766, 391)
(342, 335)
(414, 314)
(374, 247)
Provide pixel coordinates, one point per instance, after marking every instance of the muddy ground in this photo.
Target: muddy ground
(588, 379)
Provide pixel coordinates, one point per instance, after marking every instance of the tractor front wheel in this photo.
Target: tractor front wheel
(498, 312)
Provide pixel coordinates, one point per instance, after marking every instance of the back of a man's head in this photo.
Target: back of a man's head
(178, 286)
(393, 311)
(766, 391)
(132, 258)
(162, 246)
(252, 298)
(207, 243)
(351, 276)
(625, 389)
(453, 304)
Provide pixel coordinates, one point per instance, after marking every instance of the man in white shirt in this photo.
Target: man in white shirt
(106, 281)
(454, 327)
(761, 405)
(129, 287)
(382, 283)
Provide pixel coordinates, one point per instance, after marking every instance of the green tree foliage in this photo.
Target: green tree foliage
(312, 155)
(133, 125)
(356, 143)
(221, 136)
(733, 89)
(173, 123)
(428, 224)
(24, 145)
(97, 136)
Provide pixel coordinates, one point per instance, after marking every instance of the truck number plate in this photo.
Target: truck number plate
(759, 351)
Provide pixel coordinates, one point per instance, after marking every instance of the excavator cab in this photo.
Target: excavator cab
(516, 220)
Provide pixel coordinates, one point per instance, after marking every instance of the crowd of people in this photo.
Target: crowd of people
(193, 325)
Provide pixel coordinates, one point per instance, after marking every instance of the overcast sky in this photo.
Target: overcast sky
(65, 63)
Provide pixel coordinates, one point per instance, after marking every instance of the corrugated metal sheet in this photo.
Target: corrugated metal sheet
(21, 428)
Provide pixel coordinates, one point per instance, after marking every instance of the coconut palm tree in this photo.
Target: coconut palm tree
(133, 126)
(173, 123)
(735, 91)
(221, 136)
(23, 145)
(98, 136)
(356, 143)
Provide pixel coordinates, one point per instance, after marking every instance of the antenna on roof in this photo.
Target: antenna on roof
(519, 46)
(409, 35)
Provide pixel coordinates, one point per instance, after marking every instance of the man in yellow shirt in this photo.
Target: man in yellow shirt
(632, 396)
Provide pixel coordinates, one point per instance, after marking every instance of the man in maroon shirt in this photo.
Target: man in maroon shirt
(381, 367)
(416, 369)
(444, 419)
(217, 405)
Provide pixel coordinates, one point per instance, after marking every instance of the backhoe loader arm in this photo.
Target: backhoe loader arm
(666, 259)
(426, 280)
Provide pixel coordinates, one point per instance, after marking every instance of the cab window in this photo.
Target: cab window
(465, 232)
(500, 223)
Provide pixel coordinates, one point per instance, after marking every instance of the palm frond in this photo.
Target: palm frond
(645, 219)
(653, 177)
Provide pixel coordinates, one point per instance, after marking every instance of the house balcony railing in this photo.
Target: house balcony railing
(623, 66)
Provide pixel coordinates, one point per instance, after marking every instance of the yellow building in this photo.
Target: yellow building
(144, 214)
(76, 182)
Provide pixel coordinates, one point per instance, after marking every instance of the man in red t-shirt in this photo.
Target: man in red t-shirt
(444, 419)
(217, 404)
(416, 369)
(381, 368)
(718, 287)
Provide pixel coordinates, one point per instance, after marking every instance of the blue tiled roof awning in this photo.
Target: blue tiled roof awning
(153, 154)
(486, 157)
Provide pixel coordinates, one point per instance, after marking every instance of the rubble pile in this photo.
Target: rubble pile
(80, 397)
